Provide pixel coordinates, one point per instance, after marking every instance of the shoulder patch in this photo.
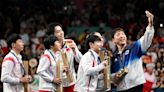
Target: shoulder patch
(115, 60)
(127, 52)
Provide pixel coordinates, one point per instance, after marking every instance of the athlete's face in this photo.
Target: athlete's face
(18, 45)
(96, 46)
(120, 38)
(57, 45)
(59, 33)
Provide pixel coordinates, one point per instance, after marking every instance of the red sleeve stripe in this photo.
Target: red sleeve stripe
(46, 55)
(9, 59)
(90, 77)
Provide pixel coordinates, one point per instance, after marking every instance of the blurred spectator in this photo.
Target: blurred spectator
(1, 59)
(34, 85)
(151, 81)
(4, 47)
(24, 36)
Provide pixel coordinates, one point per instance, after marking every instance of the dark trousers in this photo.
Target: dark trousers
(138, 88)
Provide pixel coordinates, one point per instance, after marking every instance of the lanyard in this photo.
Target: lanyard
(22, 67)
(52, 55)
(122, 62)
(98, 60)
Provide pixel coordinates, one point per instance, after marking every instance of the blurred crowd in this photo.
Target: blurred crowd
(30, 19)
